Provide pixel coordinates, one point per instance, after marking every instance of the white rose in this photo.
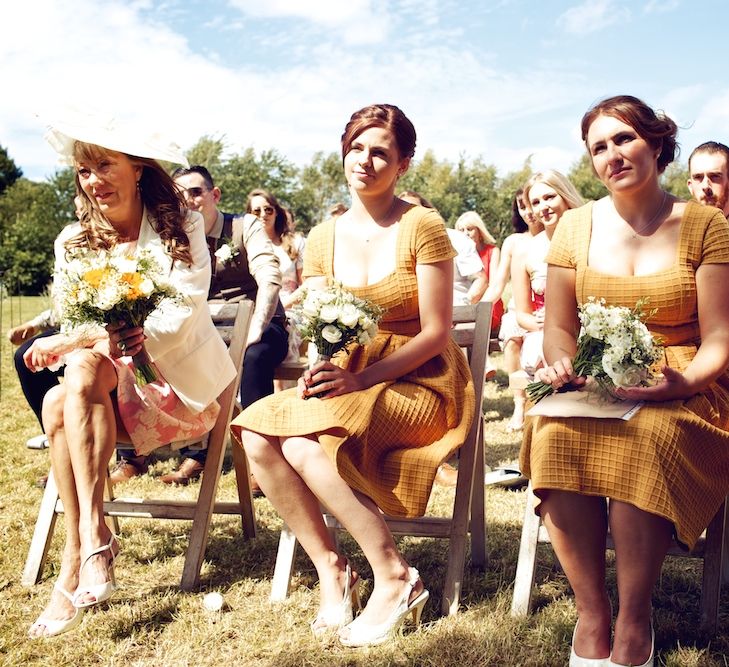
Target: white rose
(331, 334)
(364, 338)
(329, 312)
(372, 330)
(631, 377)
(124, 264)
(349, 315)
(327, 297)
(310, 307)
(146, 287)
(107, 299)
(224, 253)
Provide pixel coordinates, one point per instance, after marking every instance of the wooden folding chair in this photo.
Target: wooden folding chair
(472, 332)
(231, 321)
(709, 548)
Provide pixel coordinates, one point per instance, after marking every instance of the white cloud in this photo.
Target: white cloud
(660, 6)
(358, 21)
(592, 15)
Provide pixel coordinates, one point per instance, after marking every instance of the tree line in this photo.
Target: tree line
(32, 213)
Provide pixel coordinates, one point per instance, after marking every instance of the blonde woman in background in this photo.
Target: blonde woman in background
(471, 224)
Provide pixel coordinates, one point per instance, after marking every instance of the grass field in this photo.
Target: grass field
(149, 621)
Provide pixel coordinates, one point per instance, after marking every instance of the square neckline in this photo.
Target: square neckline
(675, 266)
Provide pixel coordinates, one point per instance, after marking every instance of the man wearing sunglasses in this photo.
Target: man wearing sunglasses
(244, 266)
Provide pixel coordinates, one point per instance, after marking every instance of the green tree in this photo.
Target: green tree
(207, 152)
(508, 187)
(584, 179)
(31, 216)
(9, 171)
(321, 184)
(674, 180)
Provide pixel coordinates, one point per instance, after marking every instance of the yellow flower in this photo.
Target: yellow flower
(95, 277)
(133, 280)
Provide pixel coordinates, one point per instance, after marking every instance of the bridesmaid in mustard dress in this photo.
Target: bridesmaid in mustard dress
(378, 422)
(666, 470)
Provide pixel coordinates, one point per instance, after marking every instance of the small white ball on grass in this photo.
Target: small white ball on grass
(213, 601)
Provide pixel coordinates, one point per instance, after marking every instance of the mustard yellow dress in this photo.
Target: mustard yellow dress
(388, 440)
(671, 458)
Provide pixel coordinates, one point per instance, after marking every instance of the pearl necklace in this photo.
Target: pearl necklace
(649, 224)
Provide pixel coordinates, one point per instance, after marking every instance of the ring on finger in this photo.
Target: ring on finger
(122, 345)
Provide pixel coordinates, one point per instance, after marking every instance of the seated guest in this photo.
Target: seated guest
(471, 224)
(511, 335)
(549, 194)
(665, 471)
(708, 180)
(128, 201)
(378, 421)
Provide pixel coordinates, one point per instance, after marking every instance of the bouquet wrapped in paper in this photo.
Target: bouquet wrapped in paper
(614, 347)
(333, 318)
(108, 287)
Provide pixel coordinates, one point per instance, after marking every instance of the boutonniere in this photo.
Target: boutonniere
(227, 252)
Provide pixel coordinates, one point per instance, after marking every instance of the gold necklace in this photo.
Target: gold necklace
(648, 224)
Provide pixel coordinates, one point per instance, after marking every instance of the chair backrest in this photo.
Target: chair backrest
(232, 321)
(471, 331)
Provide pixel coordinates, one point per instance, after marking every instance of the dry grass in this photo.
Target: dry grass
(151, 622)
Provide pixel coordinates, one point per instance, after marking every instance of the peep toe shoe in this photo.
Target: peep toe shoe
(651, 658)
(334, 616)
(362, 634)
(100, 592)
(55, 626)
(579, 661)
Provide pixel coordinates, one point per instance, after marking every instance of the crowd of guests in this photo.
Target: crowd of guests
(367, 433)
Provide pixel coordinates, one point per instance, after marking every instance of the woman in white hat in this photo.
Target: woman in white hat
(126, 198)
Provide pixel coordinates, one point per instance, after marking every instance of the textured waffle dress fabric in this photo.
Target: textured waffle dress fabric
(388, 440)
(671, 458)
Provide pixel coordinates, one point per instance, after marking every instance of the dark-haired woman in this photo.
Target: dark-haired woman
(127, 201)
(378, 422)
(666, 470)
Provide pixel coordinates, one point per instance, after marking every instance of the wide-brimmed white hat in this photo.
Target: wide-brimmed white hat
(71, 126)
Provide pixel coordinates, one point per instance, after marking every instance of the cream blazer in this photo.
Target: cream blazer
(181, 338)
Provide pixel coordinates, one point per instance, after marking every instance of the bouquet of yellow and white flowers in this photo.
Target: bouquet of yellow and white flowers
(334, 318)
(614, 347)
(99, 287)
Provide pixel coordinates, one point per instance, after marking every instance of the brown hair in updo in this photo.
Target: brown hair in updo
(657, 129)
(386, 116)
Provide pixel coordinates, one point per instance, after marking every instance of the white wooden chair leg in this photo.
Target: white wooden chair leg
(527, 560)
(284, 565)
(42, 534)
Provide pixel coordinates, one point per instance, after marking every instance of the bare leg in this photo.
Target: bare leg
(91, 433)
(362, 519)
(641, 541)
(577, 527)
(59, 607)
(299, 508)
(512, 348)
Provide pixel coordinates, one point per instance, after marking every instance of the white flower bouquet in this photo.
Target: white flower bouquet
(614, 347)
(334, 318)
(98, 287)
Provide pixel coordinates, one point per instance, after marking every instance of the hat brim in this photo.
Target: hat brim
(63, 134)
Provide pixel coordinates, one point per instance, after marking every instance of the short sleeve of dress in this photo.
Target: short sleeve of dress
(563, 247)
(715, 247)
(316, 247)
(431, 240)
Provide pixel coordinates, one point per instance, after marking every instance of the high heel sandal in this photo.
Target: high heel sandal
(579, 661)
(100, 592)
(331, 617)
(651, 658)
(362, 634)
(55, 626)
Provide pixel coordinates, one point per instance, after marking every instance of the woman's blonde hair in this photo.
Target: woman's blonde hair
(473, 218)
(160, 197)
(559, 183)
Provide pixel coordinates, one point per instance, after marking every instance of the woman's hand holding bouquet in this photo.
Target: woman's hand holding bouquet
(333, 319)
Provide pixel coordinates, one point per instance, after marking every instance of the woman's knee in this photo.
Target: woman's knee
(258, 448)
(299, 452)
(53, 403)
(88, 371)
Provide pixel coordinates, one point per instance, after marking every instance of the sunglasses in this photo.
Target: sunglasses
(194, 192)
(268, 210)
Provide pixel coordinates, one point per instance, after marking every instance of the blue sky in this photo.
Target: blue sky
(500, 79)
